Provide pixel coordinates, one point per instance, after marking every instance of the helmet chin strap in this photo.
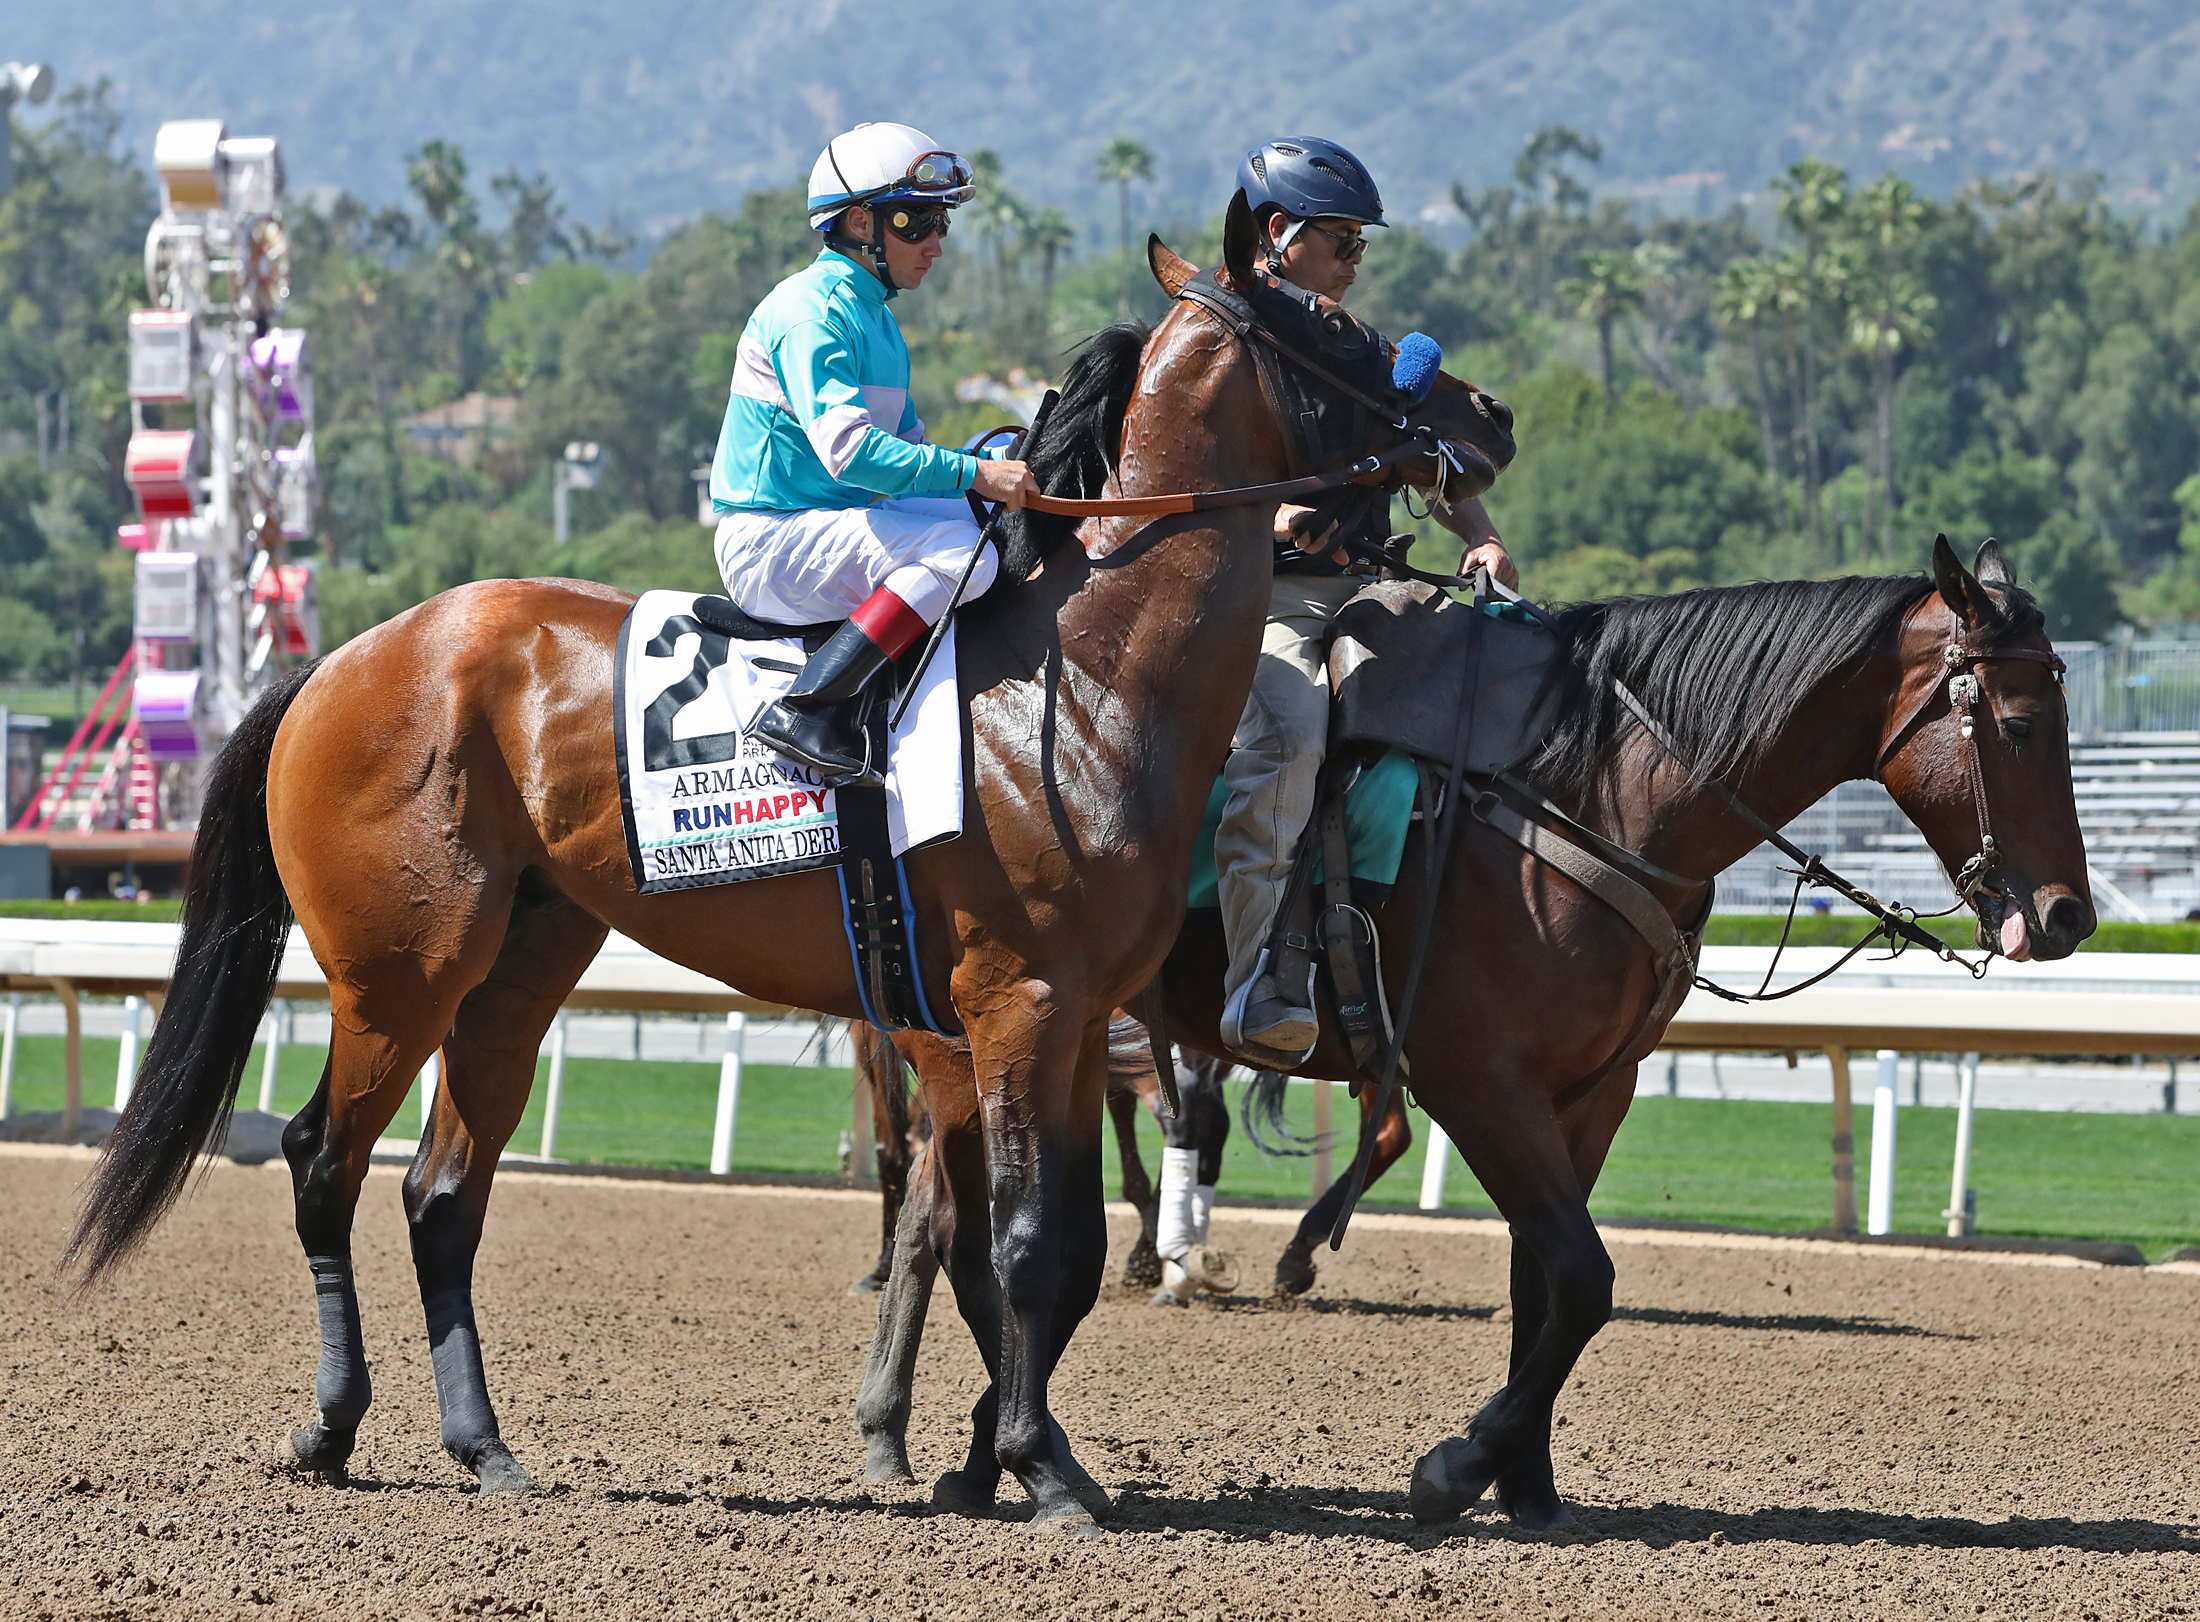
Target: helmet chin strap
(875, 249)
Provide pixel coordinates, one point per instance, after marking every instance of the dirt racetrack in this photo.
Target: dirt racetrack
(1775, 1431)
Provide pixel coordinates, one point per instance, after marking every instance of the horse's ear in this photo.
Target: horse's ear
(1990, 567)
(1171, 269)
(1959, 588)
(1240, 238)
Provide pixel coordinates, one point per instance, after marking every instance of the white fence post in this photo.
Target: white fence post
(133, 1008)
(1879, 1216)
(1959, 1181)
(430, 1073)
(554, 1095)
(272, 1058)
(729, 1096)
(1433, 1166)
(7, 1053)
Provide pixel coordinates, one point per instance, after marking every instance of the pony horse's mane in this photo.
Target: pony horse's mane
(1724, 668)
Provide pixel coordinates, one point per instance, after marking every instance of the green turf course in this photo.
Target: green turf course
(1752, 1165)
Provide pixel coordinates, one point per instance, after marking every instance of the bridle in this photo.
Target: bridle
(1897, 924)
(1964, 692)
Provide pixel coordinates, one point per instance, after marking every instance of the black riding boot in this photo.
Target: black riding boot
(821, 720)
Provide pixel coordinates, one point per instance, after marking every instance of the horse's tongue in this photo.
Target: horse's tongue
(2016, 945)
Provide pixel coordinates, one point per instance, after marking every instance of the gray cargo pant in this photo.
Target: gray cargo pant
(1274, 760)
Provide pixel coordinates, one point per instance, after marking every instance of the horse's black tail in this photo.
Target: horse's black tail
(1261, 1109)
(235, 921)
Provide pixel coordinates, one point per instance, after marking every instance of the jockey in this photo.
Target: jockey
(831, 505)
(1313, 201)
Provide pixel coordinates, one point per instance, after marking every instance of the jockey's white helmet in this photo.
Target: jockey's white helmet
(877, 162)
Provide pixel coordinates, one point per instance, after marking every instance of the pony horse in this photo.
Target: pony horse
(1540, 998)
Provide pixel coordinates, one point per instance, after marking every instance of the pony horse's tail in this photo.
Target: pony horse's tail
(1261, 1109)
(236, 919)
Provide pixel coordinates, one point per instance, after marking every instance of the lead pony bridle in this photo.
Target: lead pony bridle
(1897, 924)
(1964, 692)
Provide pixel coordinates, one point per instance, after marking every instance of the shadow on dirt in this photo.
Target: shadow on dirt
(1260, 1513)
(1800, 1323)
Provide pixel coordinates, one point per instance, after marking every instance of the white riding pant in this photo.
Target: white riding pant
(806, 568)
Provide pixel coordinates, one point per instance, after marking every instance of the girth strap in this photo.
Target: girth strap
(1673, 953)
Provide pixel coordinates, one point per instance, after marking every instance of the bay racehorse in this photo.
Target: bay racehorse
(1942, 690)
(437, 802)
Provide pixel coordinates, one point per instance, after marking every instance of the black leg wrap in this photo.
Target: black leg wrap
(462, 1389)
(341, 1389)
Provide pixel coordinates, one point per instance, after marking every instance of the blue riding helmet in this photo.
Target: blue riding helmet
(1309, 178)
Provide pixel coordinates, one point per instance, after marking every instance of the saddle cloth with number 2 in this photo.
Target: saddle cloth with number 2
(705, 804)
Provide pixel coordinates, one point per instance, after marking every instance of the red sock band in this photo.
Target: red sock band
(889, 622)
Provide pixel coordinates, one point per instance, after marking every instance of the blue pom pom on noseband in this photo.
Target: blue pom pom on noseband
(1413, 374)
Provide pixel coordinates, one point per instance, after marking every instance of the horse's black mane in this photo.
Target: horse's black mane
(1077, 449)
(1723, 668)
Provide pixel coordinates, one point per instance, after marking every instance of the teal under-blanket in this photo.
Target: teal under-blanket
(1377, 810)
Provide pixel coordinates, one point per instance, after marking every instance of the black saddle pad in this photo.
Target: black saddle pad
(1398, 671)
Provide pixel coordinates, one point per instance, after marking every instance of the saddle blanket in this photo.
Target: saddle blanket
(705, 804)
(1378, 809)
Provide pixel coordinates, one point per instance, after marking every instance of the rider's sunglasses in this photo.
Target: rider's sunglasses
(1349, 246)
(916, 224)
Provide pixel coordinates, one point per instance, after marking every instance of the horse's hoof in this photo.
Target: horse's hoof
(955, 1493)
(1095, 1499)
(1066, 1523)
(869, 1284)
(323, 1452)
(1295, 1273)
(886, 1461)
(1529, 1498)
(1142, 1267)
(1448, 1480)
(498, 1471)
(1219, 1272)
(1178, 1286)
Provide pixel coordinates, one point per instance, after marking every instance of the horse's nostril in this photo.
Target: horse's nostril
(1501, 413)
(2064, 917)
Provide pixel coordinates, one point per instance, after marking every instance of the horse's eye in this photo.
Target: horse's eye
(2017, 727)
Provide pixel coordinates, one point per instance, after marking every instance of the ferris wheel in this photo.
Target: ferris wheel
(221, 458)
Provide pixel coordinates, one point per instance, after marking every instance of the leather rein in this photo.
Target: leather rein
(1897, 923)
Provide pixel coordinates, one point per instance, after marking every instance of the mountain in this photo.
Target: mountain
(658, 109)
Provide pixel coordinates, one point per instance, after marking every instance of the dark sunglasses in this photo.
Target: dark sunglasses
(1349, 248)
(916, 224)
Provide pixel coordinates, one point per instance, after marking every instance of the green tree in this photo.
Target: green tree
(1124, 160)
(1609, 286)
(1748, 292)
(1890, 312)
(1812, 195)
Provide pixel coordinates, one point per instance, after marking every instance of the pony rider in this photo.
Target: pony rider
(1312, 201)
(831, 504)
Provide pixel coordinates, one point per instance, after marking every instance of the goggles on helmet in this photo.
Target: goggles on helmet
(913, 224)
(939, 172)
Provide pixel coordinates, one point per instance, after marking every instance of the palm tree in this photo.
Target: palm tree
(1746, 295)
(1609, 286)
(1052, 236)
(1893, 309)
(1813, 194)
(1124, 160)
